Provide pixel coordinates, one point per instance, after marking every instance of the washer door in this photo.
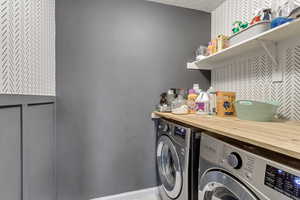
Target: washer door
(169, 167)
(218, 185)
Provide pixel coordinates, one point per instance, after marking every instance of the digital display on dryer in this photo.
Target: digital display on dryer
(283, 182)
(180, 131)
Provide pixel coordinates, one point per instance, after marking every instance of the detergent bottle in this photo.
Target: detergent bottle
(202, 103)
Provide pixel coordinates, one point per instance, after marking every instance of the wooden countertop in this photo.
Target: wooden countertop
(282, 136)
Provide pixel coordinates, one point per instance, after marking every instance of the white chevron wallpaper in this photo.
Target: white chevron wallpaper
(251, 75)
(27, 47)
(233, 10)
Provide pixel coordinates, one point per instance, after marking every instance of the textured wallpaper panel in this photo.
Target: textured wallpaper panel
(250, 74)
(27, 47)
(251, 77)
(231, 10)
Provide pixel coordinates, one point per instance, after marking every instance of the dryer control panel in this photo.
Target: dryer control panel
(283, 182)
(179, 131)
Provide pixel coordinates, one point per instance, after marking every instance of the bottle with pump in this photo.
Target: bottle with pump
(212, 94)
(196, 88)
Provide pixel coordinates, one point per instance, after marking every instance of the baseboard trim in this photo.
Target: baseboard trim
(145, 194)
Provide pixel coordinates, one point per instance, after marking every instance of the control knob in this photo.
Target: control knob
(163, 127)
(235, 160)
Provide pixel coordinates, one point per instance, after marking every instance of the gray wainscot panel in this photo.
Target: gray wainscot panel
(27, 147)
(10, 152)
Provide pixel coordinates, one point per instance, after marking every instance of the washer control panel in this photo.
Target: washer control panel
(228, 157)
(274, 180)
(238, 162)
(283, 182)
(235, 160)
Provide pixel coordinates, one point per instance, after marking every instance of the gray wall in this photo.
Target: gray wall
(114, 58)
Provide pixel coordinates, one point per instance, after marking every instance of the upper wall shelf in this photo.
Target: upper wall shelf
(262, 40)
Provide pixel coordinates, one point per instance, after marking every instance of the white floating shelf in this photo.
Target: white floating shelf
(274, 35)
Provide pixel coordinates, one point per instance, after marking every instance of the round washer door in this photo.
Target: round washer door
(218, 185)
(169, 167)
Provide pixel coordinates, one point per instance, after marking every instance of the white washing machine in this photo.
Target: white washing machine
(177, 161)
(242, 172)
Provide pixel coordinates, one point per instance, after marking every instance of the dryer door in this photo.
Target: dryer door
(218, 185)
(169, 167)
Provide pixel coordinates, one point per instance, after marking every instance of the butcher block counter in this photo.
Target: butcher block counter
(282, 137)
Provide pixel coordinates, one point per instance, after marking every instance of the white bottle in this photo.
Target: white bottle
(197, 88)
(202, 103)
(212, 94)
(170, 97)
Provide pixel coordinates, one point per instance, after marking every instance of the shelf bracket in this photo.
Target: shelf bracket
(272, 53)
(271, 48)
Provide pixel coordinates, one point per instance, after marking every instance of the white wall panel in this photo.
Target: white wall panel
(250, 76)
(232, 10)
(27, 50)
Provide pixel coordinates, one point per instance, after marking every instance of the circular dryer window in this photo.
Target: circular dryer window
(169, 167)
(217, 185)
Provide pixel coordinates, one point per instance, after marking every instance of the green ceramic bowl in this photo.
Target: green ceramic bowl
(256, 111)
